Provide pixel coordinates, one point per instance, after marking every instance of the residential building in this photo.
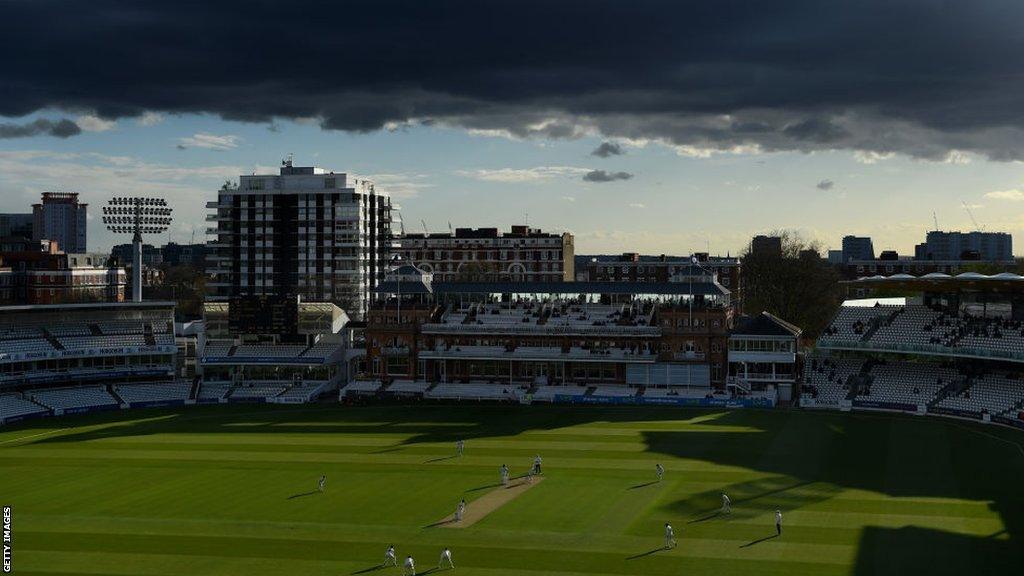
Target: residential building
(18, 225)
(522, 254)
(184, 254)
(766, 246)
(62, 218)
(858, 248)
(38, 277)
(319, 235)
(986, 246)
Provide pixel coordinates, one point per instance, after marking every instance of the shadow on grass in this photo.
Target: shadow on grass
(386, 450)
(370, 569)
(440, 459)
(648, 553)
(802, 457)
(758, 541)
(710, 516)
(479, 488)
(644, 485)
(302, 495)
(441, 523)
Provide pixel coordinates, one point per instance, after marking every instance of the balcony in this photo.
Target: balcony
(534, 329)
(531, 353)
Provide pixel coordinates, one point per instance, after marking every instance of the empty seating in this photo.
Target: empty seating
(122, 326)
(14, 406)
(26, 346)
(407, 387)
(616, 391)
(471, 392)
(216, 349)
(255, 392)
(71, 398)
(361, 387)
(269, 351)
(302, 393)
(95, 342)
(155, 392)
(548, 393)
(208, 392)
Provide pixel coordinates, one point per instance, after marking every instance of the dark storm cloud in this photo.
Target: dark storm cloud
(607, 149)
(42, 127)
(920, 77)
(825, 185)
(603, 176)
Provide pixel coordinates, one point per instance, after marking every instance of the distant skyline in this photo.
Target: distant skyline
(639, 127)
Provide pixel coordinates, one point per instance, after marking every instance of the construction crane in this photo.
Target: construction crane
(936, 220)
(425, 231)
(971, 214)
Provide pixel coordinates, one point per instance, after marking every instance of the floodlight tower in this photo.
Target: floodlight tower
(136, 216)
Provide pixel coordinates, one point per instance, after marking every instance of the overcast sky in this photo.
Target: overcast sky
(661, 127)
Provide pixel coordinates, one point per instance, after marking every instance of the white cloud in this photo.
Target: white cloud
(1014, 195)
(150, 119)
(398, 185)
(98, 177)
(637, 205)
(569, 198)
(523, 174)
(91, 123)
(870, 157)
(210, 141)
(957, 157)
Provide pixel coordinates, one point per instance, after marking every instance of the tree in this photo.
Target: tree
(796, 286)
(186, 286)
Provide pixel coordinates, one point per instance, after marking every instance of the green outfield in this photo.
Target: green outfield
(232, 491)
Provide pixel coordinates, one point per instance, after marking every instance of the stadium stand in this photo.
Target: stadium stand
(212, 392)
(255, 392)
(70, 399)
(471, 392)
(151, 393)
(15, 407)
(300, 394)
(360, 387)
(407, 387)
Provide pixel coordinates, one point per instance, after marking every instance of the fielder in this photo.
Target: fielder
(660, 471)
(409, 569)
(459, 447)
(460, 510)
(446, 557)
(778, 523)
(323, 482)
(389, 556)
(726, 504)
(504, 475)
(536, 464)
(670, 536)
